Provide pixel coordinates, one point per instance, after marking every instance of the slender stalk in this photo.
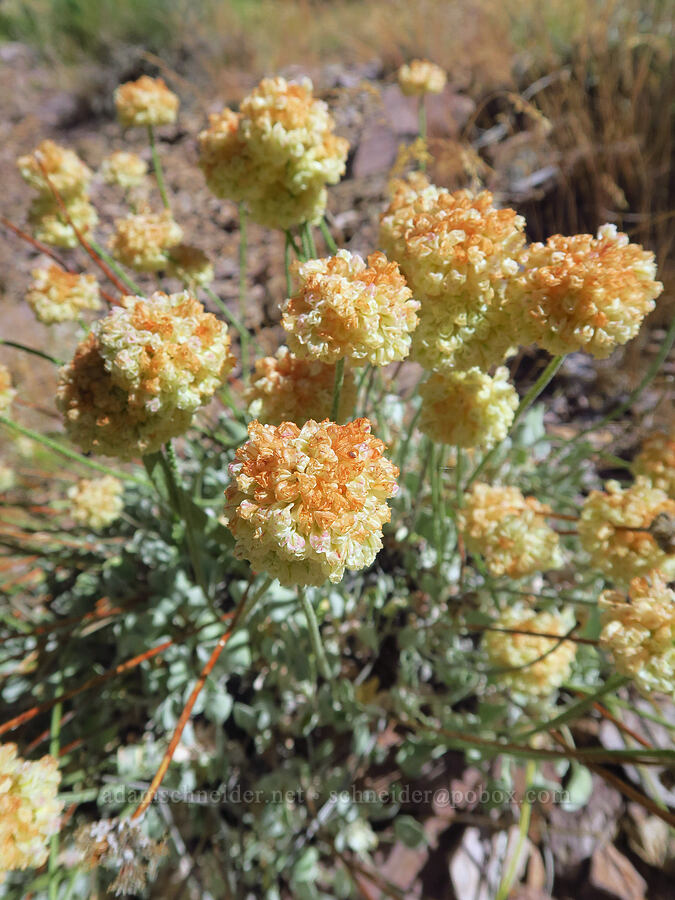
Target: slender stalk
(43, 248)
(540, 384)
(327, 236)
(525, 815)
(54, 747)
(337, 388)
(231, 318)
(244, 335)
(422, 123)
(115, 267)
(291, 240)
(157, 166)
(314, 634)
(310, 240)
(17, 346)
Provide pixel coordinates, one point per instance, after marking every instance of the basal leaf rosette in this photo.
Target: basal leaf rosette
(145, 240)
(534, 665)
(345, 309)
(606, 531)
(308, 503)
(586, 293)
(96, 502)
(468, 409)
(59, 296)
(29, 809)
(509, 531)
(656, 461)
(66, 172)
(285, 388)
(142, 373)
(639, 632)
(146, 101)
(420, 76)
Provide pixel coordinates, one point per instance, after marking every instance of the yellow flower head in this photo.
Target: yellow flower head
(124, 169)
(468, 409)
(458, 252)
(277, 154)
(59, 296)
(639, 632)
(52, 227)
(29, 809)
(509, 531)
(190, 265)
(605, 530)
(287, 389)
(656, 462)
(539, 665)
(585, 293)
(307, 503)
(142, 373)
(7, 392)
(345, 309)
(97, 502)
(421, 77)
(66, 172)
(143, 241)
(147, 101)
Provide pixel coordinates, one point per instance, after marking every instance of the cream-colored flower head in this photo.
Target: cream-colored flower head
(59, 296)
(66, 172)
(656, 462)
(276, 154)
(607, 518)
(7, 480)
(307, 503)
(143, 241)
(639, 632)
(587, 294)
(7, 392)
(468, 409)
(125, 169)
(190, 265)
(142, 373)
(538, 665)
(458, 252)
(29, 809)
(509, 531)
(52, 227)
(421, 77)
(343, 309)
(96, 502)
(287, 389)
(147, 101)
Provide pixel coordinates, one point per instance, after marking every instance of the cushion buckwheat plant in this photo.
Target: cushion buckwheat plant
(613, 529)
(655, 462)
(53, 227)
(144, 241)
(51, 164)
(96, 502)
(345, 309)
(421, 77)
(146, 101)
(59, 296)
(124, 169)
(308, 503)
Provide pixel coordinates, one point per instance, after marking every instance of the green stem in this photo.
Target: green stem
(422, 122)
(525, 815)
(243, 245)
(527, 401)
(54, 747)
(56, 447)
(337, 389)
(157, 166)
(231, 318)
(327, 236)
(293, 243)
(115, 266)
(17, 346)
(405, 446)
(314, 634)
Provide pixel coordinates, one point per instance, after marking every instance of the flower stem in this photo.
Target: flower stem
(243, 248)
(31, 350)
(314, 634)
(525, 814)
(128, 282)
(337, 389)
(157, 166)
(327, 236)
(422, 123)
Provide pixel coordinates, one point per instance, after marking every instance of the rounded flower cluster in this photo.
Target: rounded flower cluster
(343, 309)
(307, 503)
(287, 389)
(605, 531)
(509, 531)
(535, 666)
(639, 631)
(7, 392)
(59, 296)
(147, 101)
(139, 377)
(421, 77)
(585, 293)
(97, 502)
(191, 265)
(276, 154)
(124, 169)
(66, 172)
(468, 409)
(143, 241)
(457, 251)
(29, 809)
(656, 462)
(52, 226)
